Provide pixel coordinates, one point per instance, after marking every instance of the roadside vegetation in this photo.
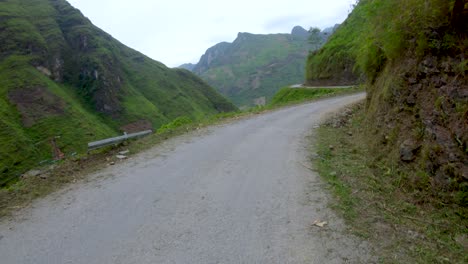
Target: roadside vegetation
(411, 55)
(288, 95)
(406, 219)
(380, 33)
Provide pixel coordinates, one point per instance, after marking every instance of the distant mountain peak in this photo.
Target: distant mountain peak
(299, 31)
(187, 66)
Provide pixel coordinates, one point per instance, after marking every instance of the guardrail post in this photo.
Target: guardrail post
(115, 140)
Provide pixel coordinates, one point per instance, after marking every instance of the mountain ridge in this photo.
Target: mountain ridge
(254, 67)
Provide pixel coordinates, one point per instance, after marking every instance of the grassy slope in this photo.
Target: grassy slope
(273, 60)
(414, 63)
(23, 147)
(416, 75)
(334, 63)
(288, 95)
(102, 83)
(379, 200)
(413, 60)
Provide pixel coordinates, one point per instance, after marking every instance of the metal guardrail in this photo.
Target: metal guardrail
(115, 140)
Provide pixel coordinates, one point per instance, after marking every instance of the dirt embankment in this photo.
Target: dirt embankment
(440, 96)
(422, 116)
(345, 77)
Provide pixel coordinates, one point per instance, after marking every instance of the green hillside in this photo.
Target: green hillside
(413, 131)
(65, 82)
(256, 66)
(412, 54)
(334, 64)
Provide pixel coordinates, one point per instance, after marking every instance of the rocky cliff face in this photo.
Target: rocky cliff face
(419, 99)
(214, 54)
(426, 118)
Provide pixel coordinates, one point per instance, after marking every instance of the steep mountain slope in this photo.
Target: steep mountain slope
(64, 82)
(412, 54)
(254, 67)
(334, 63)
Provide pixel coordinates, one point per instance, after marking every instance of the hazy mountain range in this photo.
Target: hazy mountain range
(254, 67)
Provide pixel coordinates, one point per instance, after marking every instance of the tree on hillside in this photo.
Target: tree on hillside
(315, 37)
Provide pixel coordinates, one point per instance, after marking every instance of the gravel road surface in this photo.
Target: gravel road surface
(234, 193)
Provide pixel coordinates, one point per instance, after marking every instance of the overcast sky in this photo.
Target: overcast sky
(175, 32)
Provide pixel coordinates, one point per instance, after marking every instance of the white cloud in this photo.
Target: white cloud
(175, 32)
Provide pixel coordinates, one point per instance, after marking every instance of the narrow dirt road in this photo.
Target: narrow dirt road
(234, 193)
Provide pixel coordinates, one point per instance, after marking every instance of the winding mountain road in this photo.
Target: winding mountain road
(234, 193)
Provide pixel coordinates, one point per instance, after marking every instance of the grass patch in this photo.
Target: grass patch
(393, 205)
(178, 122)
(381, 31)
(287, 95)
